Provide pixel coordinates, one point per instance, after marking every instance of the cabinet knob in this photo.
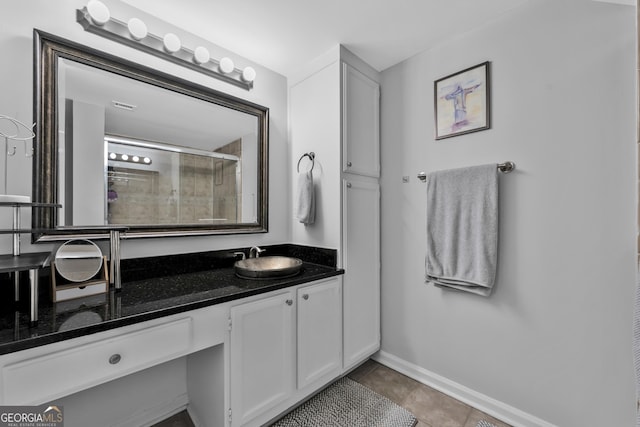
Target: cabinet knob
(114, 359)
(289, 302)
(348, 185)
(349, 164)
(305, 296)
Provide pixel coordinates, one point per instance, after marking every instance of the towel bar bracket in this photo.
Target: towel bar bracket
(505, 167)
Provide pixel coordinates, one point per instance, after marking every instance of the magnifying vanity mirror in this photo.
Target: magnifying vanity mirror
(78, 260)
(121, 145)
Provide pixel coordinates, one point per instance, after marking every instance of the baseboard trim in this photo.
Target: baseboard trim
(486, 404)
(194, 417)
(156, 413)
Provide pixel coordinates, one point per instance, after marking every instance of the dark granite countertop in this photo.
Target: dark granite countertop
(151, 288)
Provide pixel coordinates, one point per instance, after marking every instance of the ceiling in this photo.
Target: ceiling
(283, 35)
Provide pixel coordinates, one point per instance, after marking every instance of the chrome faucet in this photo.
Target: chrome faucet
(255, 252)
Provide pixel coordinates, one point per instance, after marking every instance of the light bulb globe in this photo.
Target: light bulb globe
(226, 65)
(172, 43)
(248, 74)
(98, 12)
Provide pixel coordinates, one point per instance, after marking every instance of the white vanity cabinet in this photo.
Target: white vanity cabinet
(360, 123)
(245, 362)
(283, 347)
(261, 356)
(67, 367)
(361, 260)
(86, 365)
(319, 332)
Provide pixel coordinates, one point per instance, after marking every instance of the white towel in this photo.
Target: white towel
(306, 204)
(462, 228)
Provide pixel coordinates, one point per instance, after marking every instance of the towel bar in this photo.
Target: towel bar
(505, 167)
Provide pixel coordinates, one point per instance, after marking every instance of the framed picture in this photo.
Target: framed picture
(462, 102)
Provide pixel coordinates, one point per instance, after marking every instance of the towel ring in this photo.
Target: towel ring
(311, 155)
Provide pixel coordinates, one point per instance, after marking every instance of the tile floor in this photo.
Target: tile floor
(431, 407)
(181, 419)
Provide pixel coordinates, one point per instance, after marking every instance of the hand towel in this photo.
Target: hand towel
(462, 228)
(306, 204)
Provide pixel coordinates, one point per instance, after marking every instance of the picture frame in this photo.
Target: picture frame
(462, 102)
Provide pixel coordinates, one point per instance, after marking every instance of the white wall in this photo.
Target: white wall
(314, 111)
(58, 17)
(88, 168)
(554, 339)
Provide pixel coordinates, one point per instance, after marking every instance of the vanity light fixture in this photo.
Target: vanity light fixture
(96, 18)
(129, 158)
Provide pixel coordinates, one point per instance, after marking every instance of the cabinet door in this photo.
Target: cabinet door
(361, 261)
(360, 123)
(319, 331)
(261, 356)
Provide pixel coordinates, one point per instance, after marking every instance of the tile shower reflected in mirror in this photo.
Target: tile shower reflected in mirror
(155, 183)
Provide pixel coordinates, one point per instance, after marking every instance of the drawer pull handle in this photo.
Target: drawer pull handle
(115, 359)
(289, 302)
(305, 296)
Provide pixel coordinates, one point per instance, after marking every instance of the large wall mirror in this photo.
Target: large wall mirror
(121, 145)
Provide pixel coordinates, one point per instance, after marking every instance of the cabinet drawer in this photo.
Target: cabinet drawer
(80, 291)
(47, 377)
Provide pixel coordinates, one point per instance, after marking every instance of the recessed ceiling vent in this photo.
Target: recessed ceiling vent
(123, 105)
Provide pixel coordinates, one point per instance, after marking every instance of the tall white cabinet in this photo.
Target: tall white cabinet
(334, 104)
(360, 214)
(361, 258)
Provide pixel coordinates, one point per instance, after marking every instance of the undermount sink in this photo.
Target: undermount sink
(268, 267)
